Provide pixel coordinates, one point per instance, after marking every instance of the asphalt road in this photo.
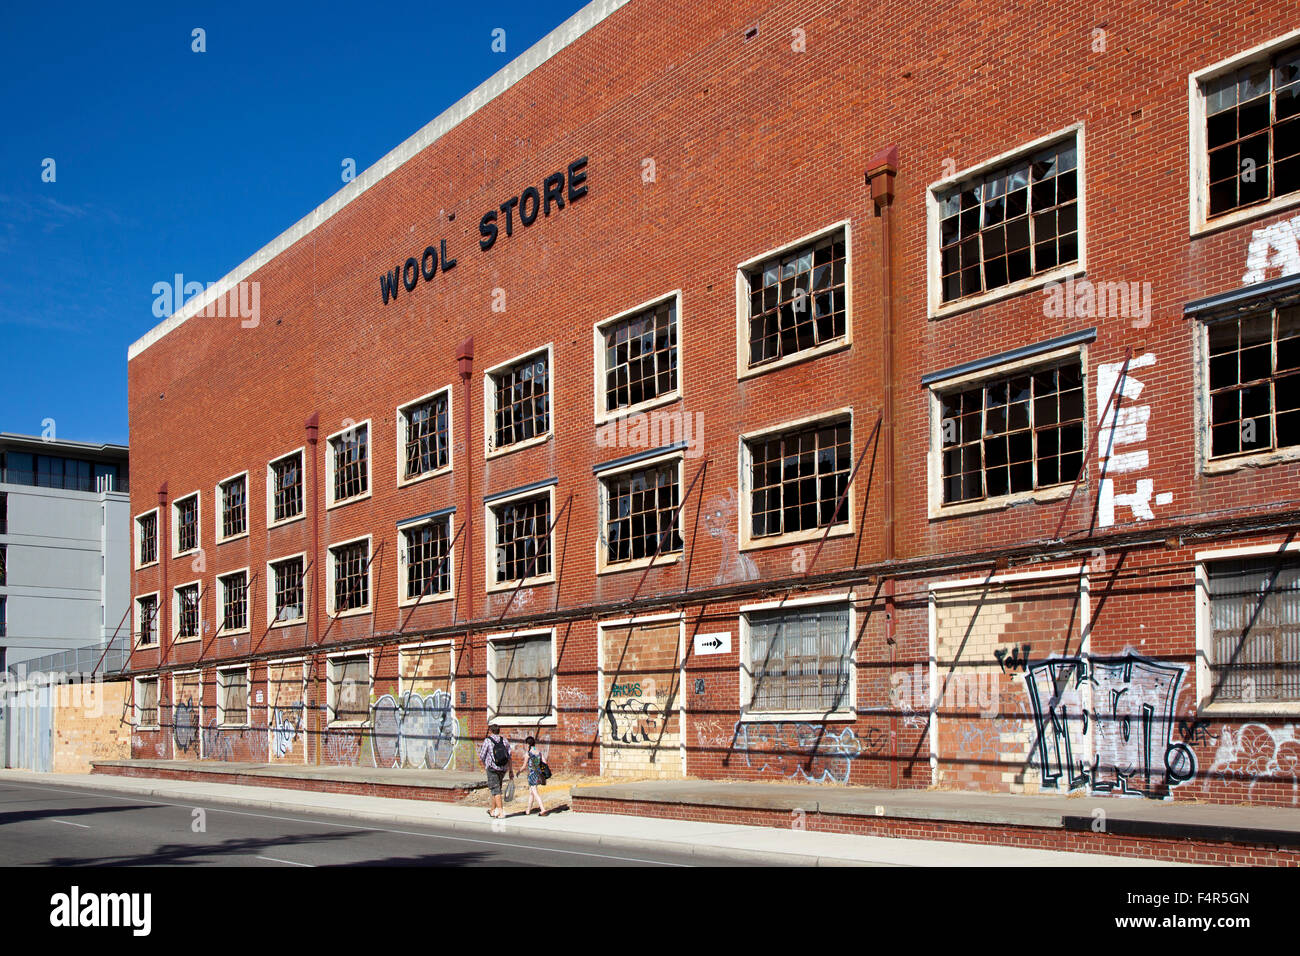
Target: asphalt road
(64, 826)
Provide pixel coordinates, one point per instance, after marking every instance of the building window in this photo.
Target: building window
(638, 356)
(523, 539)
(797, 300)
(426, 559)
(1252, 133)
(641, 513)
(3, 615)
(1255, 629)
(796, 479)
(234, 601)
(187, 611)
(350, 576)
(519, 401)
(520, 677)
(146, 617)
(287, 591)
(426, 435)
(1013, 434)
(233, 496)
(1254, 378)
(349, 464)
(147, 538)
(146, 702)
(285, 476)
(187, 524)
(232, 697)
(349, 689)
(799, 660)
(4, 564)
(4, 510)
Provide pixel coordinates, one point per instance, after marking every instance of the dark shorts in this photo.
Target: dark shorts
(494, 781)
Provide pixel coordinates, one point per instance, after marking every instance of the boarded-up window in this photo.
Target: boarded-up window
(286, 686)
(521, 669)
(187, 689)
(425, 669)
(349, 689)
(232, 696)
(146, 702)
(1255, 616)
(800, 659)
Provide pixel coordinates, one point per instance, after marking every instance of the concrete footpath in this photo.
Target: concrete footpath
(713, 841)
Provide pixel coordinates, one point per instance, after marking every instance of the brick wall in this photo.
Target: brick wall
(87, 725)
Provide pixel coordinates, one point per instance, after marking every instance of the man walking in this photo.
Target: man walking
(494, 754)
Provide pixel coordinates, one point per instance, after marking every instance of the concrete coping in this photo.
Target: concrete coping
(384, 776)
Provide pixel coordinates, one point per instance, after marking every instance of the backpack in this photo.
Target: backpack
(500, 753)
(543, 769)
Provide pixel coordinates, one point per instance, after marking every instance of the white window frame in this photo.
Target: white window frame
(330, 500)
(176, 612)
(598, 344)
(1205, 634)
(301, 452)
(402, 424)
(490, 539)
(534, 720)
(248, 695)
(331, 685)
(490, 398)
(156, 679)
(219, 508)
(1198, 185)
(937, 308)
(157, 535)
(744, 482)
(934, 457)
(198, 524)
(849, 713)
(248, 600)
(270, 591)
(603, 566)
(402, 562)
(743, 371)
(137, 618)
(330, 577)
(449, 643)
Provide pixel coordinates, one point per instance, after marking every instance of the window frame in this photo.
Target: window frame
(198, 524)
(271, 522)
(248, 695)
(490, 541)
(936, 308)
(744, 513)
(745, 664)
(176, 612)
(248, 600)
(219, 509)
(1198, 184)
(331, 693)
(601, 415)
(270, 591)
(489, 403)
(331, 577)
(1205, 634)
(402, 423)
(493, 698)
(156, 643)
(157, 534)
(402, 562)
(602, 475)
(743, 369)
(330, 500)
(137, 710)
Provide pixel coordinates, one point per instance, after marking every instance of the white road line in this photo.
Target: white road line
(68, 823)
(286, 862)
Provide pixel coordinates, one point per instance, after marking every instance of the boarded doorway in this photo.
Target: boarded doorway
(641, 721)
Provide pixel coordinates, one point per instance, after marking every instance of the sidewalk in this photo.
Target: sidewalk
(741, 843)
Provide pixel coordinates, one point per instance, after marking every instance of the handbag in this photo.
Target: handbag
(509, 794)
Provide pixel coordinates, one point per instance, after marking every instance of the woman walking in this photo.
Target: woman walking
(535, 779)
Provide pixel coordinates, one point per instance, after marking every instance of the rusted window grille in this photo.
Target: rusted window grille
(797, 300)
(188, 611)
(1255, 382)
(187, 524)
(521, 672)
(522, 407)
(426, 436)
(1252, 133)
(233, 691)
(351, 576)
(1255, 607)
(797, 479)
(350, 688)
(146, 701)
(1013, 434)
(147, 611)
(234, 601)
(641, 356)
(428, 567)
(523, 538)
(1009, 224)
(287, 477)
(800, 659)
(288, 590)
(234, 507)
(641, 514)
(148, 526)
(351, 470)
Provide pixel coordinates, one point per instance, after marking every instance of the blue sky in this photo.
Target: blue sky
(171, 161)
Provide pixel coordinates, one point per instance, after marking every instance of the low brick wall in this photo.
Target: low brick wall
(360, 789)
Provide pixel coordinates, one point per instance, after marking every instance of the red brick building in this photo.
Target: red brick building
(885, 396)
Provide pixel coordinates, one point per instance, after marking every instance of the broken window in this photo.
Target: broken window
(800, 659)
(288, 595)
(1254, 375)
(286, 477)
(234, 506)
(523, 538)
(797, 477)
(349, 688)
(1255, 612)
(147, 526)
(1014, 222)
(187, 524)
(187, 611)
(146, 701)
(797, 300)
(351, 452)
(147, 619)
(351, 576)
(641, 513)
(1012, 434)
(521, 676)
(641, 356)
(232, 696)
(428, 564)
(4, 562)
(1252, 132)
(234, 601)
(522, 403)
(426, 436)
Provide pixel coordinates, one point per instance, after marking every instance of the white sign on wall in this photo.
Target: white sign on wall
(719, 643)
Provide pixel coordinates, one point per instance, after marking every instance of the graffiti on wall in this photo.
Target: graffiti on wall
(288, 725)
(1274, 251)
(1121, 435)
(1259, 753)
(720, 519)
(802, 751)
(185, 727)
(418, 732)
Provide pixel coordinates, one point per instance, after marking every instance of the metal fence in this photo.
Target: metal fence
(79, 660)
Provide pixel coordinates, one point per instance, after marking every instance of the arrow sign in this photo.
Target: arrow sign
(718, 643)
